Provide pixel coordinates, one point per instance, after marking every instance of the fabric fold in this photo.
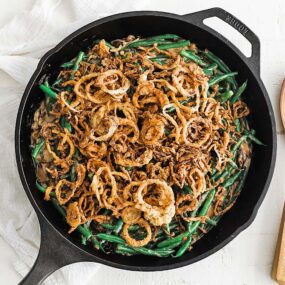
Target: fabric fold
(23, 41)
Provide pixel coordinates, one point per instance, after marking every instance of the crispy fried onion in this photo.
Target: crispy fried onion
(156, 199)
(186, 79)
(135, 242)
(186, 204)
(135, 156)
(105, 130)
(131, 215)
(152, 130)
(240, 109)
(102, 181)
(197, 131)
(64, 191)
(196, 179)
(65, 141)
(73, 217)
(113, 82)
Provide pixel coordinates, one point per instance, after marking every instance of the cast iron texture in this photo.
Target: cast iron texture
(59, 248)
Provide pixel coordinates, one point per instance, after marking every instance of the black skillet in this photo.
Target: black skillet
(59, 248)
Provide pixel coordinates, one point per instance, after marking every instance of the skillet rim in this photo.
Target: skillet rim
(43, 219)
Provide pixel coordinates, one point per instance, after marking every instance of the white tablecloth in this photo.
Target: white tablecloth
(23, 40)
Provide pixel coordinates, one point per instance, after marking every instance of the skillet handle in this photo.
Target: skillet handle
(198, 18)
(55, 252)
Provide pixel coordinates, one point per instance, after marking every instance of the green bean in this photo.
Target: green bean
(96, 243)
(123, 249)
(56, 82)
(141, 43)
(214, 170)
(67, 65)
(142, 250)
(167, 132)
(72, 174)
(38, 148)
(238, 126)
(225, 96)
(76, 153)
(106, 212)
(223, 67)
(134, 228)
(232, 164)
(47, 90)
(165, 37)
(78, 60)
(253, 138)
(239, 143)
(229, 182)
(242, 180)
(110, 238)
(239, 187)
(238, 93)
(220, 175)
(156, 252)
(209, 69)
(190, 55)
(217, 60)
(83, 240)
(65, 124)
(172, 245)
(204, 210)
(40, 187)
(208, 226)
(183, 247)
(194, 212)
(108, 226)
(220, 78)
(173, 240)
(187, 189)
(179, 44)
(118, 226)
(90, 175)
(84, 231)
(160, 61)
(171, 226)
(166, 229)
(211, 222)
(230, 81)
(215, 175)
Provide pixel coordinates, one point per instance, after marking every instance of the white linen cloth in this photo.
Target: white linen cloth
(22, 42)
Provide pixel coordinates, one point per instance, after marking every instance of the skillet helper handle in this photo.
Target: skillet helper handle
(198, 18)
(55, 252)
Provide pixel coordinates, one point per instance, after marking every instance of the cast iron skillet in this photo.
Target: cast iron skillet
(59, 248)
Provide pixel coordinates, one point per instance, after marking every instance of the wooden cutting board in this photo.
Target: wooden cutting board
(282, 103)
(278, 270)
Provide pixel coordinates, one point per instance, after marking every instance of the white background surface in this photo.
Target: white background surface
(247, 260)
